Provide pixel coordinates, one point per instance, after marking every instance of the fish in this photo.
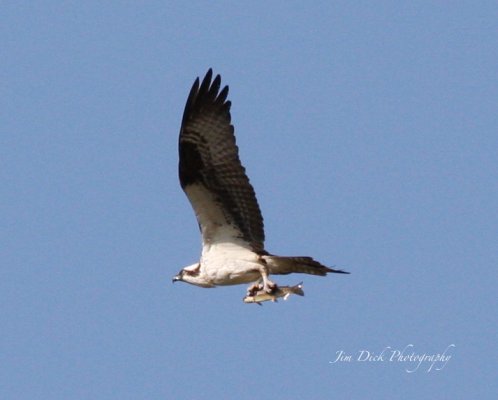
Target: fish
(280, 291)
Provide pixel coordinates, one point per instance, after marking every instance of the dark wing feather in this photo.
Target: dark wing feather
(210, 170)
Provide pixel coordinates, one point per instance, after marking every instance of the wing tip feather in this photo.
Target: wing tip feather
(207, 93)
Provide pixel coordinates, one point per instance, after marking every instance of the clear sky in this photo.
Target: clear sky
(370, 134)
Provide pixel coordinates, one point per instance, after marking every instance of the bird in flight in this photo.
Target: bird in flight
(224, 201)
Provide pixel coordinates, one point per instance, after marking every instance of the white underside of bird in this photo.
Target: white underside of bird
(227, 264)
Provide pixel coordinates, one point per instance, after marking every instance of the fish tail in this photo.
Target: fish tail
(298, 289)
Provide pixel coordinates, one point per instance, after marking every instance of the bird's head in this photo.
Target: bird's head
(192, 275)
(179, 276)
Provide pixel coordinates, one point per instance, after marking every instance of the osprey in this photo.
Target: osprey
(224, 201)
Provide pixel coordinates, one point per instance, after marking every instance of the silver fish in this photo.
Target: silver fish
(280, 291)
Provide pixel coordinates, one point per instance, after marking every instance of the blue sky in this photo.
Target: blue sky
(370, 134)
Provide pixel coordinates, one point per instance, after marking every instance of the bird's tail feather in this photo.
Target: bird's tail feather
(306, 265)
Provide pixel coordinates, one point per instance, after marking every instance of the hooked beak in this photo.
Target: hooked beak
(177, 278)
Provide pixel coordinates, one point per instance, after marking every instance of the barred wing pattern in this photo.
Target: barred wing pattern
(211, 173)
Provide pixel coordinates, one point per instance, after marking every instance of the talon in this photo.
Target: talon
(270, 287)
(253, 289)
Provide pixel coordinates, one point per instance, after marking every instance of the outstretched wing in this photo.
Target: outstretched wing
(211, 173)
